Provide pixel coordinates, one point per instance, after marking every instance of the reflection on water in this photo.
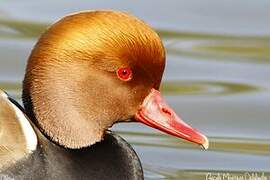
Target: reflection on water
(207, 46)
(254, 49)
(20, 29)
(220, 82)
(205, 88)
(236, 145)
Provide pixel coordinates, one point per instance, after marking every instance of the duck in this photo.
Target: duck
(88, 71)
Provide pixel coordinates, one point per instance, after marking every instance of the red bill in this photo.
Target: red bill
(155, 113)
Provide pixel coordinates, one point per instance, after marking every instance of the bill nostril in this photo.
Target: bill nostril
(166, 111)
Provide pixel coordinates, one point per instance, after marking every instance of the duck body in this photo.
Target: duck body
(112, 158)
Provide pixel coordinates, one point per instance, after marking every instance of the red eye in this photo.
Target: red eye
(124, 74)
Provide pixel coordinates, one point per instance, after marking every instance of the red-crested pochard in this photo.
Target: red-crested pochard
(88, 71)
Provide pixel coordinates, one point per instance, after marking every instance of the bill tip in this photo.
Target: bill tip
(205, 145)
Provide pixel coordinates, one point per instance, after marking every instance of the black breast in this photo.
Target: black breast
(113, 158)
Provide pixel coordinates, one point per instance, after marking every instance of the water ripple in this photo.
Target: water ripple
(206, 88)
(220, 144)
(236, 48)
(232, 48)
(10, 28)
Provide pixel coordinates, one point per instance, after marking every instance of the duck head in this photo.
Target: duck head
(92, 69)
